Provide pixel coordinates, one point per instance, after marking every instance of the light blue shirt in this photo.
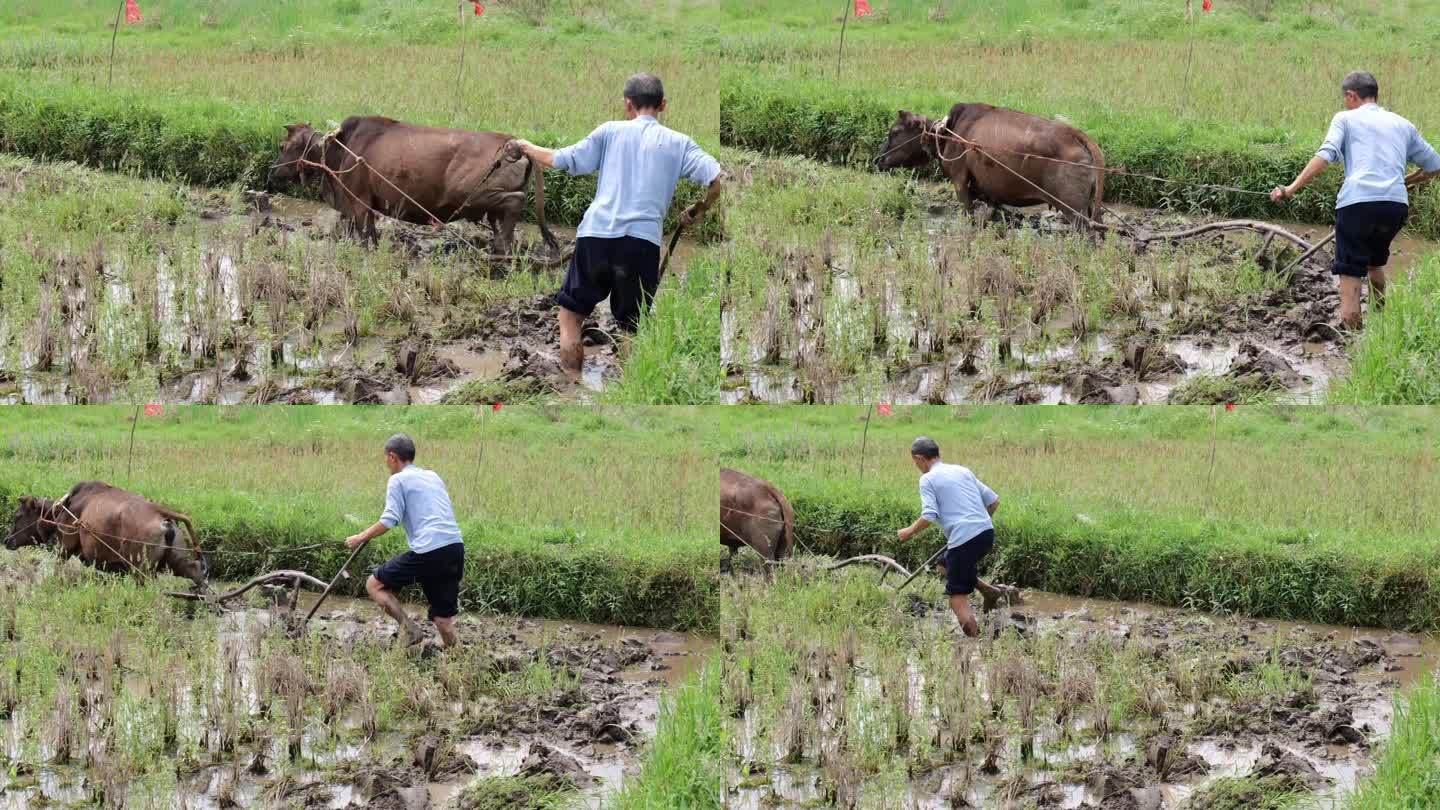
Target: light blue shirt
(640, 162)
(1375, 145)
(416, 498)
(955, 500)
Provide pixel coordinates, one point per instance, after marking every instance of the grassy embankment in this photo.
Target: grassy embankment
(1263, 85)
(1297, 513)
(201, 94)
(78, 235)
(812, 663)
(548, 535)
(882, 285)
(1397, 360)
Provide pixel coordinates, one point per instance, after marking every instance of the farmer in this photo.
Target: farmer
(1375, 145)
(416, 498)
(617, 249)
(953, 497)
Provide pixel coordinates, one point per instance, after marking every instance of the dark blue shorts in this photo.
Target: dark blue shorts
(962, 563)
(1363, 233)
(625, 269)
(438, 573)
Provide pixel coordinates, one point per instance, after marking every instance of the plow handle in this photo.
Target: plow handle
(343, 572)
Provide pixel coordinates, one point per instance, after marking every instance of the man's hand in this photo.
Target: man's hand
(355, 541)
(1281, 194)
(692, 215)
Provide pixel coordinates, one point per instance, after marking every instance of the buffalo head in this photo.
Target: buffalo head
(30, 528)
(910, 143)
(301, 143)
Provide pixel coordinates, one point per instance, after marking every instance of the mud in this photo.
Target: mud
(216, 342)
(582, 734)
(1285, 343)
(1300, 706)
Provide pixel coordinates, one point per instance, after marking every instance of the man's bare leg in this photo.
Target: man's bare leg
(1350, 301)
(572, 353)
(960, 604)
(1377, 289)
(446, 627)
(390, 603)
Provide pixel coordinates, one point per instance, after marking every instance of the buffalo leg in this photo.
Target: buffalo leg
(727, 563)
(506, 219)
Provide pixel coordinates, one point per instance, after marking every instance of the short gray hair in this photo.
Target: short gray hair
(925, 447)
(645, 91)
(1362, 83)
(401, 446)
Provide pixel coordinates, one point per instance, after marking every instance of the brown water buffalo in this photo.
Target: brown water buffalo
(450, 173)
(112, 529)
(1002, 158)
(756, 514)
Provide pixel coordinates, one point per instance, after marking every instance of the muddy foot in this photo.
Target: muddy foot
(411, 635)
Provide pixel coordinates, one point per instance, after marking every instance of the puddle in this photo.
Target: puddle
(579, 696)
(207, 321)
(1233, 695)
(1019, 325)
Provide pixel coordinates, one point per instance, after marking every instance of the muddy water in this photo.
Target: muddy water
(620, 673)
(514, 341)
(1353, 672)
(1290, 344)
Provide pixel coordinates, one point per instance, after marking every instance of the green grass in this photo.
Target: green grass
(547, 533)
(1124, 502)
(674, 359)
(852, 281)
(202, 90)
(1407, 773)
(684, 765)
(69, 227)
(1397, 359)
(1261, 93)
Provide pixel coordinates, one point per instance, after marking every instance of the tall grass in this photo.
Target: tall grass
(547, 535)
(1397, 358)
(683, 766)
(1407, 775)
(1263, 88)
(674, 358)
(1128, 503)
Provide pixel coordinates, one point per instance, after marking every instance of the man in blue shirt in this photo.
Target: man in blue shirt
(617, 248)
(1376, 146)
(951, 496)
(416, 498)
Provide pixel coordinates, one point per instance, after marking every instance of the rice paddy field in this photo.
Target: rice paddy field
(588, 610)
(845, 285)
(138, 211)
(1203, 612)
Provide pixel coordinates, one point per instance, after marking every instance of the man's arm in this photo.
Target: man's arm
(696, 212)
(366, 536)
(988, 497)
(1312, 170)
(389, 519)
(929, 512)
(701, 168)
(1329, 152)
(580, 158)
(1422, 154)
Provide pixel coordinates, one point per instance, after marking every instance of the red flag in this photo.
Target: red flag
(862, 8)
(153, 409)
(1229, 406)
(884, 409)
(1205, 5)
(132, 12)
(495, 407)
(479, 9)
